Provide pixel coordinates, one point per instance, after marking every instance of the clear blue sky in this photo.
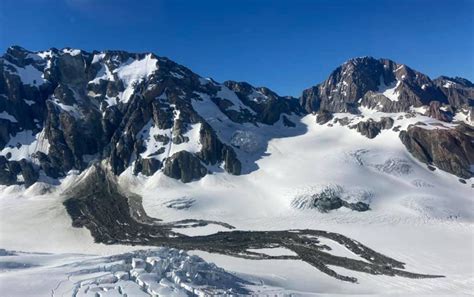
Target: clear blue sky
(285, 45)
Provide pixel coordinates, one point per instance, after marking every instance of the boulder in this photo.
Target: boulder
(184, 166)
(323, 116)
(371, 128)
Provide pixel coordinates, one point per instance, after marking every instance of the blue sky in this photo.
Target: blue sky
(284, 45)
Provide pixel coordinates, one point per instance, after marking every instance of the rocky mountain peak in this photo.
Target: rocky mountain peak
(463, 82)
(379, 84)
(63, 109)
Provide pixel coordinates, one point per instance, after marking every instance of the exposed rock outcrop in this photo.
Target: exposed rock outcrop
(185, 166)
(323, 116)
(459, 91)
(267, 104)
(386, 86)
(435, 111)
(371, 128)
(451, 150)
(60, 109)
(97, 105)
(213, 151)
(17, 172)
(147, 166)
(381, 84)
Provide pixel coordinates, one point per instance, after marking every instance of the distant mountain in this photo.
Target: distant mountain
(386, 86)
(62, 110)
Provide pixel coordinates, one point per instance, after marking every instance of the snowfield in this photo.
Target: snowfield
(421, 217)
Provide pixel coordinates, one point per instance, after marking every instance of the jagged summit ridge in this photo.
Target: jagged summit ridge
(133, 110)
(62, 109)
(381, 84)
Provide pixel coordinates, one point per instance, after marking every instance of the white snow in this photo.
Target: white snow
(133, 72)
(448, 84)
(278, 251)
(98, 58)
(399, 68)
(29, 75)
(258, 96)
(237, 105)
(338, 249)
(6, 116)
(29, 102)
(246, 140)
(421, 217)
(71, 109)
(193, 145)
(72, 52)
(205, 81)
(130, 73)
(149, 131)
(24, 144)
(103, 74)
(389, 91)
(173, 273)
(148, 134)
(400, 210)
(177, 75)
(45, 54)
(464, 116)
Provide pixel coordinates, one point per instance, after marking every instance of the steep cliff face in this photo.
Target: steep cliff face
(459, 91)
(451, 150)
(62, 109)
(383, 85)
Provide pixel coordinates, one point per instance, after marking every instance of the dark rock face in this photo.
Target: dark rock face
(371, 128)
(266, 103)
(17, 172)
(383, 85)
(436, 112)
(451, 150)
(213, 151)
(323, 116)
(85, 109)
(185, 166)
(459, 91)
(147, 166)
(329, 200)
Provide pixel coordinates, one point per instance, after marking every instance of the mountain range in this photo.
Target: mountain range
(63, 110)
(105, 151)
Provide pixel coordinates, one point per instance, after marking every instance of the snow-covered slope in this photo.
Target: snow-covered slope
(418, 216)
(360, 163)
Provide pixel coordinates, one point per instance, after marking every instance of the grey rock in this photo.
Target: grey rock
(371, 128)
(266, 103)
(459, 91)
(185, 166)
(323, 116)
(213, 151)
(329, 199)
(436, 112)
(72, 108)
(147, 166)
(451, 150)
(358, 82)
